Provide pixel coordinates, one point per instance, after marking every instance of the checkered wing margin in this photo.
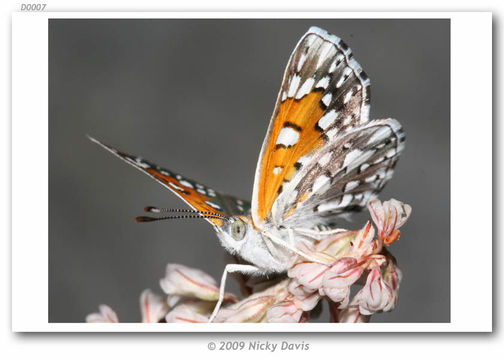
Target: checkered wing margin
(324, 98)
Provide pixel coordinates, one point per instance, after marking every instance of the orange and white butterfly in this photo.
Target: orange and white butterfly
(321, 157)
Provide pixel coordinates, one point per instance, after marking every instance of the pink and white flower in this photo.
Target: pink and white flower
(308, 274)
(337, 245)
(251, 309)
(191, 311)
(153, 307)
(364, 243)
(182, 281)
(254, 307)
(392, 275)
(376, 295)
(106, 315)
(339, 278)
(286, 311)
(304, 298)
(389, 216)
(352, 315)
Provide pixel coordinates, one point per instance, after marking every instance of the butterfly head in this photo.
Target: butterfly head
(239, 236)
(235, 232)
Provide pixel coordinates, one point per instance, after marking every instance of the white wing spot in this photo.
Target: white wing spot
(277, 170)
(351, 185)
(327, 120)
(371, 178)
(186, 184)
(288, 137)
(301, 61)
(324, 52)
(324, 160)
(383, 133)
(379, 160)
(327, 99)
(284, 95)
(381, 173)
(305, 88)
(351, 157)
(323, 83)
(364, 167)
(339, 59)
(348, 97)
(328, 206)
(215, 206)
(303, 160)
(347, 198)
(332, 67)
(321, 183)
(201, 191)
(346, 73)
(175, 186)
(294, 85)
(390, 153)
(356, 157)
(141, 163)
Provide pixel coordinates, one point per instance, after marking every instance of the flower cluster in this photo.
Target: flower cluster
(337, 262)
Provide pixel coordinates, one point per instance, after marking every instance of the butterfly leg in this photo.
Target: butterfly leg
(293, 240)
(317, 233)
(288, 246)
(231, 268)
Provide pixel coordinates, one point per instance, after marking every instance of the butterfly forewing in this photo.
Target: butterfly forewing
(324, 93)
(198, 196)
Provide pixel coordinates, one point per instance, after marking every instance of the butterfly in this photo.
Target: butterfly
(321, 157)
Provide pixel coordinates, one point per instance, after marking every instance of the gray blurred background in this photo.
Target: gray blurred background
(196, 96)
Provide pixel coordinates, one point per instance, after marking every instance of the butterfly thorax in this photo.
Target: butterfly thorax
(256, 245)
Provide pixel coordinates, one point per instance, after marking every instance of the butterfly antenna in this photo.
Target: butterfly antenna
(150, 219)
(156, 210)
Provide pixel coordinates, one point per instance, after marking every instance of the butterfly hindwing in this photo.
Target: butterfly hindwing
(344, 176)
(324, 93)
(198, 196)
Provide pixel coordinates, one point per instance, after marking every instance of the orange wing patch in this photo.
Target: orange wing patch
(294, 135)
(197, 199)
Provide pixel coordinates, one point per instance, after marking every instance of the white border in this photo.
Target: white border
(471, 145)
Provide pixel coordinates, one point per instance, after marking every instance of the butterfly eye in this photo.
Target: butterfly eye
(238, 230)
